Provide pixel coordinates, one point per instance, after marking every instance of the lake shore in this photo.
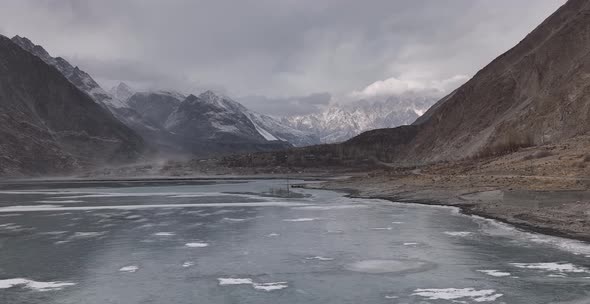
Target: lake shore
(564, 212)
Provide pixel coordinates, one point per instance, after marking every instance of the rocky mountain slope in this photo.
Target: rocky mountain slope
(212, 123)
(339, 123)
(48, 125)
(537, 92)
(78, 77)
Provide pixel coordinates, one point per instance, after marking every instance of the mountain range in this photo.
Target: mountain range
(209, 123)
(341, 122)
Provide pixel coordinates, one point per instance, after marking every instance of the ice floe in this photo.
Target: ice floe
(130, 268)
(458, 233)
(61, 202)
(34, 285)
(388, 266)
(196, 245)
(554, 266)
(273, 234)
(235, 281)
(271, 286)
(495, 273)
(164, 234)
(303, 219)
(319, 258)
(82, 236)
(331, 207)
(382, 228)
(484, 295)
(234, 220)
(188, 264)
(496, 228)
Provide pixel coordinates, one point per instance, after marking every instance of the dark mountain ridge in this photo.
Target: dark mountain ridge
(48, 125)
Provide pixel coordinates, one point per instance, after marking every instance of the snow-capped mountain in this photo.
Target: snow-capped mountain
(341, 122)
(212, 123)
(76, 76)
(153, 114)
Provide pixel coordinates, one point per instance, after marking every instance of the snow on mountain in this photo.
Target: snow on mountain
(224, 115)
(76, 76)
(341, 122)
(281, 131)
(122, 92)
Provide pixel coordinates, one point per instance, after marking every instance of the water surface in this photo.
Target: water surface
(249, 242)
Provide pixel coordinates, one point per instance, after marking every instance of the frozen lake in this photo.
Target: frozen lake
(244, 242)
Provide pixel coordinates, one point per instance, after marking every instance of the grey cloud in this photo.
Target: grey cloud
(275, 48)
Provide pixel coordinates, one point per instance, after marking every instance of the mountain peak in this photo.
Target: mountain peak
(210, 95)
(191, 97)
(122, 91)
(32, 48)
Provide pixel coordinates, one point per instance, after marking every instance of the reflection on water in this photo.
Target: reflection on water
(251, 242)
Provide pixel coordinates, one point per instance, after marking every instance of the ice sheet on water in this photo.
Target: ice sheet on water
(164, 234)
(388, 266)
(495, 273)
(483, 295)
(553, 266)
(34, 285)
(196, 245)
(458, 233)
(37, 208)
(60, 201)
(303, 219)
(271, 286)
(130, 268)
(319, 258)
(234, 281)
(331, 207)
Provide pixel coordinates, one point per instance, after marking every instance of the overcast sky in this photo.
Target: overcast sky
(287, 52)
